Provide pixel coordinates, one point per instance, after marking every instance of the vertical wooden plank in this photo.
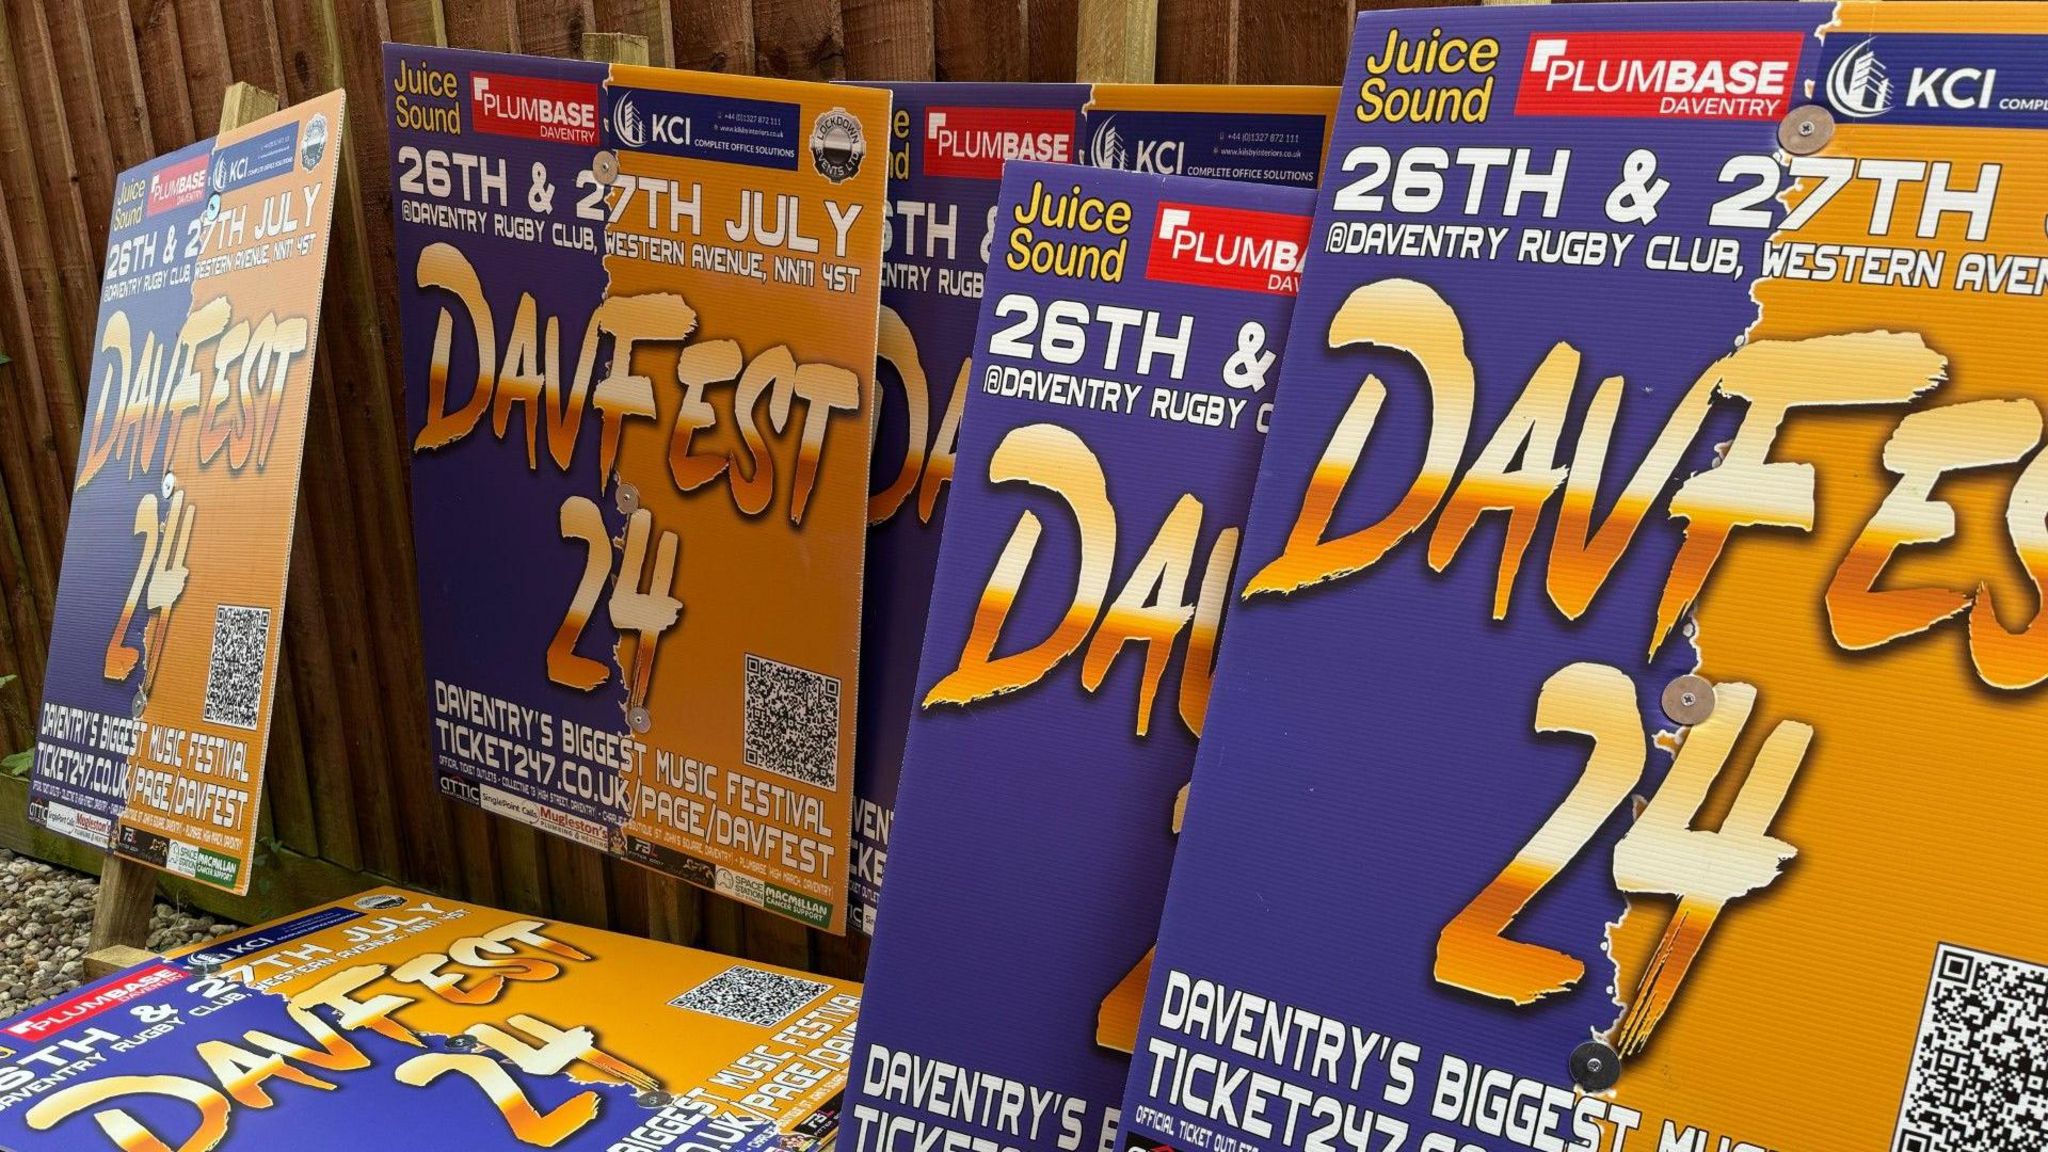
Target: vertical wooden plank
(327, 712)
(627, 884)
(475, 853)
(119, 72)
(522, 873)
(89, 120)
(979, 40)
(715, 35)
(417, 21)
(1198, 42)
(675, 910)
(576, 883)
(799, 39)
(490, 25)
(614, 48)
(205, 36)
(1117, 41)
(287, 791)
(1293, 41)
(35, 329)
(1055, 41)
(845, 957)
(254, 55)
(75, 263)
(651, 20)
(890, 39)
(725, 929)
(40, 498)
(777, 940)
(165, 97)
(554, 27)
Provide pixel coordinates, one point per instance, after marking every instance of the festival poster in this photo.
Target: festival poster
(639, 310)
(947, 146)
(164, 650)
(1264, 133)
(167, 1055)
(752, 1043)
(948, 143)
(1128, 345)
(1628, 735)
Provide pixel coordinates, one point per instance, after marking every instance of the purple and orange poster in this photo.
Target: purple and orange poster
(1629, 733)
(639, 309)
(1124, 369)
(170, 609)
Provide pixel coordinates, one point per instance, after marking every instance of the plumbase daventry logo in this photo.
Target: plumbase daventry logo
(837, 146)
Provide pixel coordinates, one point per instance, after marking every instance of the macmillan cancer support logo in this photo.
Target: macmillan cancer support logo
(837, 145)
(1858, 85)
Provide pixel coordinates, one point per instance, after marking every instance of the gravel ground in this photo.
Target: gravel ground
(45, 921)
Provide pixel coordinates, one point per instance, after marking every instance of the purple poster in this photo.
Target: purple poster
(1629, 735)
(947, 146)
(166, 1055)
(1124, 368)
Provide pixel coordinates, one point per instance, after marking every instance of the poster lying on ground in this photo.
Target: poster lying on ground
(397, 1020)
(753, 1043)
(639, 312)
(1127, 350)
(1628, 737)
(948, 144)
(170, 607)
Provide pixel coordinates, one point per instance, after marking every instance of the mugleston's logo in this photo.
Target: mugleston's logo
(1227, 247)
(1858, 85)
(1683, 75)
(534, 108)
(837, 145)
(974, 142)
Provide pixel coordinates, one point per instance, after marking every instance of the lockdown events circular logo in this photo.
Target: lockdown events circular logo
(837, 146)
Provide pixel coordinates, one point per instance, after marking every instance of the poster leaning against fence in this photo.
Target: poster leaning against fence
(639, 312)
(170, 611)
(1630, 736)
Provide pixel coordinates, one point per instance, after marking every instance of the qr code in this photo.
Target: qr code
(751, 996)
(1980, 1066)
(234, 678)
(792, 722)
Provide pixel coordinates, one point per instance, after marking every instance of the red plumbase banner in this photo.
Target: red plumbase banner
(639, 309)
(1630, 737)
(170, 611)
(395, 1020)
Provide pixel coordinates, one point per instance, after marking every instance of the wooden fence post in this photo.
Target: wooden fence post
(120, 919)
(1117, 41)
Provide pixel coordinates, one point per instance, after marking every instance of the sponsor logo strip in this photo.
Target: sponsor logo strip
(1237, 248)
(1681, 75)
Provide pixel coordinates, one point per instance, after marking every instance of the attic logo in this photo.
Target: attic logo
(1108, 148)
(1236, 248)
(1858, 85)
